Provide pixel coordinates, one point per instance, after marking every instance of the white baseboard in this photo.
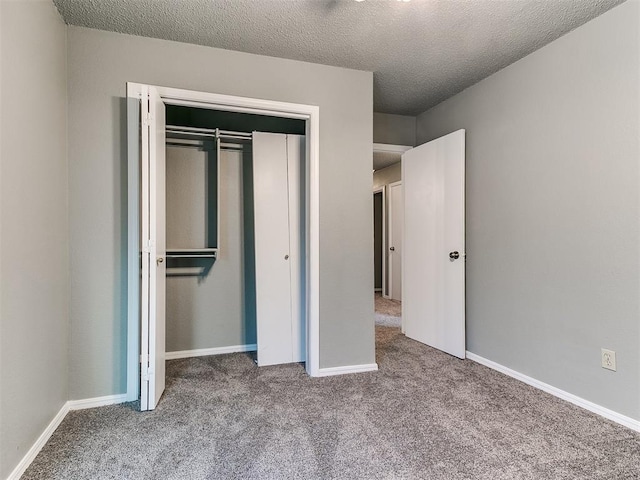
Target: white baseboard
(57, 420)
(556, 392)
(203, 352)
(39, 443)
(96, 402)
(328, 372)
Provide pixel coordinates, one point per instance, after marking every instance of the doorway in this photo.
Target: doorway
(146, 108)
(379, 241)
(387, 160)
(426, 241)
(434, 256)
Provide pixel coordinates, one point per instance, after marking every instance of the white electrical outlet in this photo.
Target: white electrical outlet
(608, 359)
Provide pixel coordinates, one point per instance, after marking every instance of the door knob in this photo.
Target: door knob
(159, 260)
(393, 249)
(286, 257)
(454, 255)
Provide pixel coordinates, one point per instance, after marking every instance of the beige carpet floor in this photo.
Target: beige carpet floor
(423, 415)
(388, 312)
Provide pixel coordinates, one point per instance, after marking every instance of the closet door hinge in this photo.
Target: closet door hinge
(145, 371)
(148, 248)
(147, 374)
(146, 119)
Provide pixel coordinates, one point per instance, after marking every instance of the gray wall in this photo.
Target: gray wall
(552, 210)
(99, 65)
(387, 175)
(394, 129)
(205, 310)
(34, 282)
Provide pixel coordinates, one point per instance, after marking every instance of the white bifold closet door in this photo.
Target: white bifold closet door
(433, 287)
(153, 239)
(278, 250)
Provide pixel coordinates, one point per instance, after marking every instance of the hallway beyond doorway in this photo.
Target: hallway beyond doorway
(388, 311)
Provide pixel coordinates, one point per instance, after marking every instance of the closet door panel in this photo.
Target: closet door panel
(158, 247)
(145, 253)
(272, 249)
(295, 156)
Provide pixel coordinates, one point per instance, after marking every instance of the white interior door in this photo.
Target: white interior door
(433, 306)
(153, 239)
(396, 228)
(276, 243)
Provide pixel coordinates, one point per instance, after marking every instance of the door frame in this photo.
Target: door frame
(231, 103)
(383, 190)
(390, 262)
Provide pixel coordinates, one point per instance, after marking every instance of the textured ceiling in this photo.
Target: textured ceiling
(421, 52)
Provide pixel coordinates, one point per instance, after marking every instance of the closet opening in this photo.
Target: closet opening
(211, 216)
(226, 229)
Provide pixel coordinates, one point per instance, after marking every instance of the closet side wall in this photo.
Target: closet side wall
(100, 64)
(206, 310)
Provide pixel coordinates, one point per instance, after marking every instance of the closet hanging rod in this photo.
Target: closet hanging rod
(209, 132)
(209, 255)
(208, 135)
(212, 135)
(192, 250)
(192, 253)
(224, 146)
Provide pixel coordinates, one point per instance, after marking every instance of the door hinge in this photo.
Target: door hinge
(144, 367)
(149, 247)
(146, 119)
